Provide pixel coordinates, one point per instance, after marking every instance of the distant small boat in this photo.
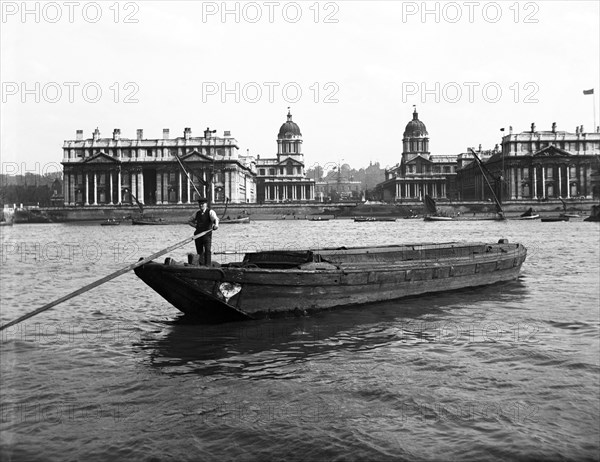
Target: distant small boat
(594, 214)
(111, 222)
(6, 223)
(437, 218)
(363, 219)
(565, 213)
(554, 219)
(149, 221)
(238, 220)
(528, 215)
(432, 213)
(318, 219)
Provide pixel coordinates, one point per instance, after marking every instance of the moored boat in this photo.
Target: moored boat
(554, 219)
(272, 283)
(437, 218)
(594, 214)
(110, 222)
(238, 220)
(527, 215)
(149, 221)
(363, 219)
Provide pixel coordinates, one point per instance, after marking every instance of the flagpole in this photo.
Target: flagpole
(594, 102)
(593, 93)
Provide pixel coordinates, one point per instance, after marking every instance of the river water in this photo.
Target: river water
(507, 372)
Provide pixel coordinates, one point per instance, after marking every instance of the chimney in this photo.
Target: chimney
(226, 134)
(553, 127)
(577, 130)
(533, 128)
(140, 134)
(581, 129)
(116, 134)
(96, 134)
(187, 133)
(165, 133)
(79, 135)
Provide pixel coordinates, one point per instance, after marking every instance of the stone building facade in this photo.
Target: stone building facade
(419, 172)
(282, 178)
(537, 165)
(108, 171)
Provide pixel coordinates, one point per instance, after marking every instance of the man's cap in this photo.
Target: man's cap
(202, 200)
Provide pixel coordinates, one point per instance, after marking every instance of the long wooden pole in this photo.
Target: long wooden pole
(480, 165)
(103, 280)
(187, 174)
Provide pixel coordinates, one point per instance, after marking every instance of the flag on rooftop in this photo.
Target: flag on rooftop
(588, 92)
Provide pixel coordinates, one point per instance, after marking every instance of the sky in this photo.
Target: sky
(350, 71)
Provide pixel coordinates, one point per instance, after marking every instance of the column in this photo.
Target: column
(543, 181)
(312, 192)
(119, 187)
(568, 181)
(133, 185)
(581, 180)
(189, 189)
(559, 180)
(512, 191)
(588, 182)
(166, 194)
(140, 176)
(534, 169)
(518, 185)
(95, 189)
(159, 188)
(179, 190)
(72, 184)
(111, 188)
(87, 189)
(66, 189)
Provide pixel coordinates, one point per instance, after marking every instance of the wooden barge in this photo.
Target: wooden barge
(271, 283)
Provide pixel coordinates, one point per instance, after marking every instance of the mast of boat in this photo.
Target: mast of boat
(136, 201)
(482, 167)
(187, 174)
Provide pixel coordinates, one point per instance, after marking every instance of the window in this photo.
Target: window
(262, 172)
(272, 171)
(549, 172)
(572, 171)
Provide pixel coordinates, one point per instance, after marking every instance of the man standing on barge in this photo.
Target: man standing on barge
(203, 220)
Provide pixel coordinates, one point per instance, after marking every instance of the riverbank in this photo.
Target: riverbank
(181, 212)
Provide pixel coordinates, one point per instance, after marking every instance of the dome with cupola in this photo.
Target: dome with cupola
(415, 128)
(289, 129)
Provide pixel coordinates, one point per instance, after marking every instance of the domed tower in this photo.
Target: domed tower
(415, 140)
(289, 139)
